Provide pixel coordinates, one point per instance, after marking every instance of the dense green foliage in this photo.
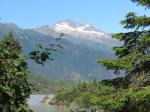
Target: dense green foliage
(102, 95)
(134, 54)
(14, 87)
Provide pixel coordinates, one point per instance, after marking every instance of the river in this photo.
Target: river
(36, 106)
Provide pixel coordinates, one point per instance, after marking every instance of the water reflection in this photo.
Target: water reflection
(36, 106)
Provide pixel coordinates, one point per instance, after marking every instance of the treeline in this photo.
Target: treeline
(42, 84)
(108, 95)
(45, 85)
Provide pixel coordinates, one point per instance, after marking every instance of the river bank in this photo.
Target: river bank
(36, 105)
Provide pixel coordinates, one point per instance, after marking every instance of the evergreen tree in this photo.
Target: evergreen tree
(134, 54)
(142, 2)
(14, 87)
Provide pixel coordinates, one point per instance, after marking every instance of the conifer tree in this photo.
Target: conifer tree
(134, 54)
(14, 87)
(142, 2)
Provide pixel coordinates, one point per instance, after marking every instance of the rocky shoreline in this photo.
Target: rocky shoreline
(72, 107)
(47, 100)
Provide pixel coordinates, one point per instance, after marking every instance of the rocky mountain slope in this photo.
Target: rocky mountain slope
(83, 45)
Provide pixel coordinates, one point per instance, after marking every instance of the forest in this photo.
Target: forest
(130, 93)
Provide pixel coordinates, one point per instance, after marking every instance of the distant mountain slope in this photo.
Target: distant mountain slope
(83, 45)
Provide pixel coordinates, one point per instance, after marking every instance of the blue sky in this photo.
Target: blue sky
(103, 14)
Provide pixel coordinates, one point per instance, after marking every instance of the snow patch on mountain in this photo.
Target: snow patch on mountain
(65, 27)
(84, 29)
(77, 33)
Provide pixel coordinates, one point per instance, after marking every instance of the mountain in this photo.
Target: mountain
(78, 33)
(83, 45)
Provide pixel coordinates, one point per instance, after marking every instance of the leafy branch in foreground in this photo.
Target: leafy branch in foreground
(43, 53)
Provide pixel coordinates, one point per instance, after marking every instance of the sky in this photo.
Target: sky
(103, 14)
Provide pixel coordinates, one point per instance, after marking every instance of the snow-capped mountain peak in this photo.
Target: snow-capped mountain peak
(68, 27)
(77, 33)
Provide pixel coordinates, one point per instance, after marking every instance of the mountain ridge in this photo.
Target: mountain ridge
(78, 60)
